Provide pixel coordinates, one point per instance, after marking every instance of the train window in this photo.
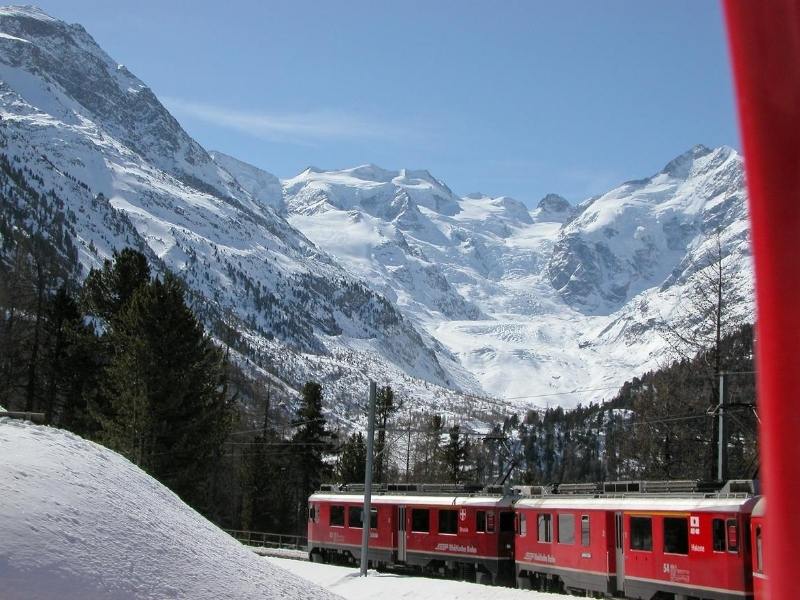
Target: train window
(585, 531)
(448, 521)
(718, 534)
(354, 517)
(507, 522)
(523, 524)
(641, 533)
(676, 535)
(759, 551)
(490, 522)
(747, 543)
(311, 512)
(337, 516)
(480, 521)
(733, 536)
(566, 528)
(420, 520)
(544, 528)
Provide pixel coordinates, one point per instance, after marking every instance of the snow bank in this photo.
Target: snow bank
(388, 586)
(280, 552)
(79, 522)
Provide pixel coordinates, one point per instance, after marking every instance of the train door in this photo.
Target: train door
(506, 539)
(401, 534)
(619, 546)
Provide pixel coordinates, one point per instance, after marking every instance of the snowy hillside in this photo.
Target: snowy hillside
(344, 275)
(79, 522)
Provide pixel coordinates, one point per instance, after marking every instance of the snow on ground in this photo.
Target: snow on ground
(346, 582)
(280, 552)
(79, 522)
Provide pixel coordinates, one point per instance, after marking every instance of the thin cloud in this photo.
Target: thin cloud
(294, 127)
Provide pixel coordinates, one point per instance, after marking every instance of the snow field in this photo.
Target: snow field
(80, 522)
(346, 582)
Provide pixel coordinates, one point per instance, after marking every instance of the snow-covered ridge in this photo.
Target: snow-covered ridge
(634, 237)
(80, 522)
(264, 188)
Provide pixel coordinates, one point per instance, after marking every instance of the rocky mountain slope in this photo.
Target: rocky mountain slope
(344, 275)
(105, 157)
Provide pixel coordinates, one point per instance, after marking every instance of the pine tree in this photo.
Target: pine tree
(311, 442)
(352, 460)
(166, 383)
(71, 365)
(454, 455)
(426, 463)
(109, 289)
(385, 407)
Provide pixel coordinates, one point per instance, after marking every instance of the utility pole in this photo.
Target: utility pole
(408, 447)
(722, 450)
(365, 515)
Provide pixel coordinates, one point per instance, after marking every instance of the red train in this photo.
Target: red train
(644, 540)
(467, 533)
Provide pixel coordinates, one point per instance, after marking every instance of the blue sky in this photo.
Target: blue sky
(515, 98)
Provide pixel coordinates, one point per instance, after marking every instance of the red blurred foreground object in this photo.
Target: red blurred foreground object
(765, 46)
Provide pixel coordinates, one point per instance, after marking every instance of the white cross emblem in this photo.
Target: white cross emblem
(463, 514)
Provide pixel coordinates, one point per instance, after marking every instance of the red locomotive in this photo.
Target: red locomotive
(443, 529)
(641, 540)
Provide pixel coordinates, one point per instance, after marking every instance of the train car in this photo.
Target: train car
(757, 529)
(459, 533)
(637, 545)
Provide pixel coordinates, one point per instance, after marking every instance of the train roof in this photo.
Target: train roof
(663, 496)
(432, 500)
(642, 503)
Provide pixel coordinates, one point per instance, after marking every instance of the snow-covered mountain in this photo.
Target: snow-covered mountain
(635, 237)
(540, 301)
(112, 163)
(365, 272)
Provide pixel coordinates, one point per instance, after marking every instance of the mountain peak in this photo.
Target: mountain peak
(26, 11)
(554, 203)
(680, 165)
(418, 174)
(102, 90)
(371, 172)
(263, 187)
